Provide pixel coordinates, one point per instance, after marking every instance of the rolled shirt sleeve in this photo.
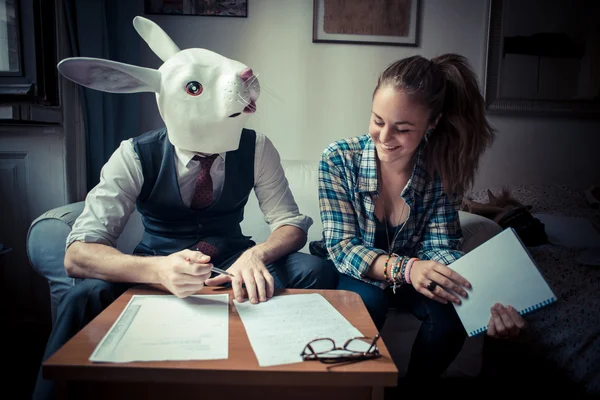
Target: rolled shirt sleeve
(442, 238)
(110, 203)
(343, 238)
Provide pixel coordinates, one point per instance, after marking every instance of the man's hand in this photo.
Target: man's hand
(184, 273)
(252, 272)
(505, 322)
(437, 281)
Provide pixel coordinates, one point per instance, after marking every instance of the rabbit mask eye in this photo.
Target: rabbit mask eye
(193, 88)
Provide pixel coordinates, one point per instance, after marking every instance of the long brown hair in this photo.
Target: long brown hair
(448, 86)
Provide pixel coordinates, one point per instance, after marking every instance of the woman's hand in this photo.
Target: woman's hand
(438, 282)
(505, 322)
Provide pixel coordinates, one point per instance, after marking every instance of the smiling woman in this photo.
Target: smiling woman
(389, 203)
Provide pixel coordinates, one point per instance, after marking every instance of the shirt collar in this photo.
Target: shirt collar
(185, 156)
(367, 173)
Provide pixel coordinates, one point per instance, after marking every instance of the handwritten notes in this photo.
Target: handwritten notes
(280, 328)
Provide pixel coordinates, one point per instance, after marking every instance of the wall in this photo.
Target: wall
(32, 181)
(313, 94)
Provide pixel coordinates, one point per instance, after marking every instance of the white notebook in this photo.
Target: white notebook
(500, 270)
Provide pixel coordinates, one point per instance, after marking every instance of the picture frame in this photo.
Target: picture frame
(520, 63)
(202, 8)
(374, 22)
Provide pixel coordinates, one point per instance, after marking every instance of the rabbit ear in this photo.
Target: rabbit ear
(110, 76)
(160, 43)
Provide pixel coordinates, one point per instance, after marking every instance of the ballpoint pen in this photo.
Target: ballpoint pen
(217, 270)
(222, 271)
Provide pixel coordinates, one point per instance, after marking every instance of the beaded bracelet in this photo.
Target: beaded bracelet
(385, 265)
(395, 268)
(390, 275)
(398, 273)
(403, 269)
(385, 274)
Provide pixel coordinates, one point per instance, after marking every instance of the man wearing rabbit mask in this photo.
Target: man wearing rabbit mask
(190, 181)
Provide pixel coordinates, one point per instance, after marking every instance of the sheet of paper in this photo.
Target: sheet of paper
(161, 328)
(280, 328)
(500, 270)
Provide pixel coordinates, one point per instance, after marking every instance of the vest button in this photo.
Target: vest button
(199, 226)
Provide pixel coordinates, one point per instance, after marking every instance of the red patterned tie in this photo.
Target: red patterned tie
(203, 196)
(204, 184)
(207, 248)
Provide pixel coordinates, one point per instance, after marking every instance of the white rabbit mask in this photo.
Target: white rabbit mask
(204, 98)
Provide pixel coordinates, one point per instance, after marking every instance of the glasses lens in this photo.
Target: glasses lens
(322, 345)
(360, 345)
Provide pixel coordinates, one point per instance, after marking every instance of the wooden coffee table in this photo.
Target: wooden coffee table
(238, 377)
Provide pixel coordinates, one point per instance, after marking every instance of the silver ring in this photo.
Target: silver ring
(431, 286)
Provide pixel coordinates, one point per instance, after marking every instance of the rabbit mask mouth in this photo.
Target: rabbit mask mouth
(250, 108)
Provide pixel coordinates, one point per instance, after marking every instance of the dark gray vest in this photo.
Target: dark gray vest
(169, 225)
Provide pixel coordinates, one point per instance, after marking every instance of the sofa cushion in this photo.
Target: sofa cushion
(132, 233)
(302, 177)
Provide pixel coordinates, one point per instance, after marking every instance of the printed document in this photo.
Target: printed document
(165, 327)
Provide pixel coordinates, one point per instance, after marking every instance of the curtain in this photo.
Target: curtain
(104, 29)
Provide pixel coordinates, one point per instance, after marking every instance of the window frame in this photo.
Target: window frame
(32, 94)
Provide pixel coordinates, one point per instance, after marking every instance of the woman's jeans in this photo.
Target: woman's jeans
(440, 337)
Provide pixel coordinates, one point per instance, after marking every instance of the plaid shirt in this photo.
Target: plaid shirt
(347, 192)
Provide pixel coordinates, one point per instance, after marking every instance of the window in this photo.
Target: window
(9, 40)
(28, 74)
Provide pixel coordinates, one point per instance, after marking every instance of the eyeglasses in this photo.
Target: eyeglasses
(355, 349)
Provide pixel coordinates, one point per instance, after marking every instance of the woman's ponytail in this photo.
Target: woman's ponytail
(463, 133)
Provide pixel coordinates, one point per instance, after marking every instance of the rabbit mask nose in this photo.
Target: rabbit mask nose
(246, 74)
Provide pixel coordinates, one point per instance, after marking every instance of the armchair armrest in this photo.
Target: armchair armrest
(46, 240)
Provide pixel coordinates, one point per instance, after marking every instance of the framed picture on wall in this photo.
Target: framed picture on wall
(206, 8)
(544, 58)
(378, 22)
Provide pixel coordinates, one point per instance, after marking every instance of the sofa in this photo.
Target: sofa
(47, 237)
